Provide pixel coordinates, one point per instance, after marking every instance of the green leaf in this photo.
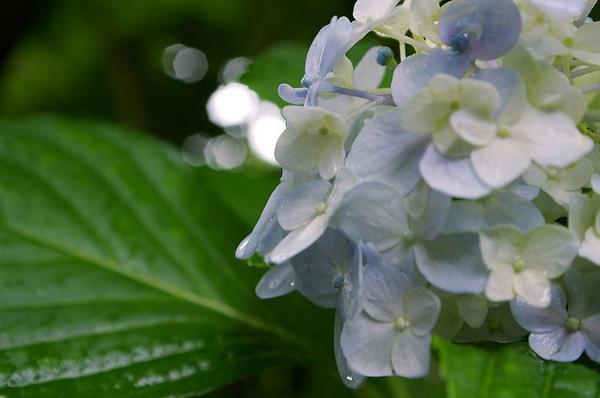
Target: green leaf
(282, 63)
(117, 275)
(511, 371)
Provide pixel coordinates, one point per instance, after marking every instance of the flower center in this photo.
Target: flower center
(409, 237)
(569, 42)
(337, 282)
(504, 132)
(573, 324)
(324, 131)
(519, 265)
(320, 207)
(402, 324)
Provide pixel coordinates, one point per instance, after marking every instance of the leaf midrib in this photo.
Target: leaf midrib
(155, 283)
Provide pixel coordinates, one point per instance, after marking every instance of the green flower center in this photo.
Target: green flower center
(402, 324)
(320, 207)
(519, 265)
(323, 131)
(573, 324)
(569, 42)
(504, 132)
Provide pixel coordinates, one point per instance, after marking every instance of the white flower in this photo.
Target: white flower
(313, 140)
(584, 221)
(523, 263)
(561, 184)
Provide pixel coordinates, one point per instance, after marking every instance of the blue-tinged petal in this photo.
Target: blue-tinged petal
(277, 281)
(591, 328)
(541, 320)
(486, 29)
(291, 95)
(367, 345)
(415, 72)
(375, 213)
(267, 220)
(512, 90)
(322, 269)
(558, 345)
(453, 263)
(300, 205)
(422, 309)
(385, 152)
(350, 378)
(453, 177)
(411, 354)
(329, 46)
(384, 290)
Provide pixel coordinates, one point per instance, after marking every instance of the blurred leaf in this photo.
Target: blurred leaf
(117, 275)
(282, 63)
(511, 372)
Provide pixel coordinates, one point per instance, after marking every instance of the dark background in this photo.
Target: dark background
(101, 58)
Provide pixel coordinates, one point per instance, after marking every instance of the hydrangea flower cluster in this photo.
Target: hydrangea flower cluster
(462, 201)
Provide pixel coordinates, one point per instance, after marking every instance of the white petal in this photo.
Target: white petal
(533, 286)
(582, 211)
(500, 245)
(552, 139)
(331, 160)
(596, 183)
(558, 345)
(277, 281)
(384, 152)
(422, 308)
(452, 263)
(298, 240)
(367, 345)
(410, 354)
(551, 248)
(500, 284)
(368, 74)
(472, 128)
(452, 177)
(501, 162)
(590, 247)
(370, 10)
(561, 9)
(298, 209)
(586, 43)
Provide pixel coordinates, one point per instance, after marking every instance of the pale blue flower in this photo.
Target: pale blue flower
(570, 325)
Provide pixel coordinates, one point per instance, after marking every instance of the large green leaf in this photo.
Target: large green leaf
(511, 372)
(117, 275)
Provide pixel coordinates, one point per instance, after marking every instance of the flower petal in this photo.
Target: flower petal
(422, 308)
(411, 354)
(298, 209)
(367, 345)
(500, 284)
(534, 287)
(452, 263)
(453, 177)
(500, 162)
(558, 345)
(550, 248)
(385, 152)
(541, 320)
(279, 280)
